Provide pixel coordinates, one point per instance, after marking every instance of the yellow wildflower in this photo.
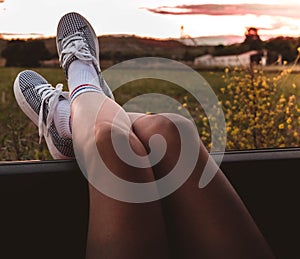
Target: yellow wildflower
(289, 121)
(282, 99)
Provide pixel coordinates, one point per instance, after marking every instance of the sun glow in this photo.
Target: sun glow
(153, 18)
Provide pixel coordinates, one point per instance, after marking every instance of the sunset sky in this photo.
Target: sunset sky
(155, 18)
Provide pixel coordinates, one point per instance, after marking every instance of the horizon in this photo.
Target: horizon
(154, 19)
(212, 40)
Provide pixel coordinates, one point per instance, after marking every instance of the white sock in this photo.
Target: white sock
(82, 78)
(62, 119)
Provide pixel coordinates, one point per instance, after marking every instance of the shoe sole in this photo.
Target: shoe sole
(31, 114)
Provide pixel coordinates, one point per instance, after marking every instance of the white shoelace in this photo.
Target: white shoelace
(47, 92)
(74, 45)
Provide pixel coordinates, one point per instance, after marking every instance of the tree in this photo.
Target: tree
(285, 46)
(252, 39)
(20, 53)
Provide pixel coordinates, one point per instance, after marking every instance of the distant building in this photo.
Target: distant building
(182, 33)
(185, 38)
(244, 59)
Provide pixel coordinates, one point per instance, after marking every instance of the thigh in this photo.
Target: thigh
(211, 222)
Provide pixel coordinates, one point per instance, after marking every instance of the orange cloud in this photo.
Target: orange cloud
(230, 9)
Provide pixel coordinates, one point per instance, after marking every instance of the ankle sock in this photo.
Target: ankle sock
(62, 119)
(82, 78)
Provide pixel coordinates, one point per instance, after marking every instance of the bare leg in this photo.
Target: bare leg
(118, 229)
(203, 223)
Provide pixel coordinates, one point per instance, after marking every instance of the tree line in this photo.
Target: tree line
(30, 53)
(21, 53)
(286, 47)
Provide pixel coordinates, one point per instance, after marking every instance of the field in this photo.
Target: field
(19, 137)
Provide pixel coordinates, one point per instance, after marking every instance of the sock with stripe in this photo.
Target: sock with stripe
(82, 78)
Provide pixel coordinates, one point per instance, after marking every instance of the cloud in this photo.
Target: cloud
(230, 9)
(273, 26)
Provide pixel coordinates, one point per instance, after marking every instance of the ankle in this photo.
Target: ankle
(81, 73)
(62, 119)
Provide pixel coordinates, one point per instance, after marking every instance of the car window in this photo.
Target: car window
(253, 69)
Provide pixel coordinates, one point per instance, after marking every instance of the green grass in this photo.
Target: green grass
(19, 137)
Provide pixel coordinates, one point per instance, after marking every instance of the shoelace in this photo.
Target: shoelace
(74, 45)
(48, 92)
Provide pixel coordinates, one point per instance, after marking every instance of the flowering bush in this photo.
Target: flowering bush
(261, 110)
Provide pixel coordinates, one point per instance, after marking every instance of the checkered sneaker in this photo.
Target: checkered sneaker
(77, 40)
(38, 100)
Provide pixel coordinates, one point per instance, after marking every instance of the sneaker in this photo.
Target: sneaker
(38, 100)
(76, 39)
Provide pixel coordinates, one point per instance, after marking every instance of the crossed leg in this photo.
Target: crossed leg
(201, 223)
(208, 223)
(119, 229)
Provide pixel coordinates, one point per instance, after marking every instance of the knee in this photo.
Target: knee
(106, 131)
(108, 135)
(169, 124)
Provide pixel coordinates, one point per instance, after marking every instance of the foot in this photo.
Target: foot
(76, 40)
(38, 100)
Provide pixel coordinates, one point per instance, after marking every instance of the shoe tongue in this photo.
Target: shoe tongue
(60, 98)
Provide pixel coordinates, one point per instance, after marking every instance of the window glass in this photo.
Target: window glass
(253, 67)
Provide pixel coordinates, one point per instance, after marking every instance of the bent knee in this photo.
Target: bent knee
(166, 124)
(106, 132)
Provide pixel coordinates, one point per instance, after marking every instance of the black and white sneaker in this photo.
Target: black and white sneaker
(38, 100)
(77, 40)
